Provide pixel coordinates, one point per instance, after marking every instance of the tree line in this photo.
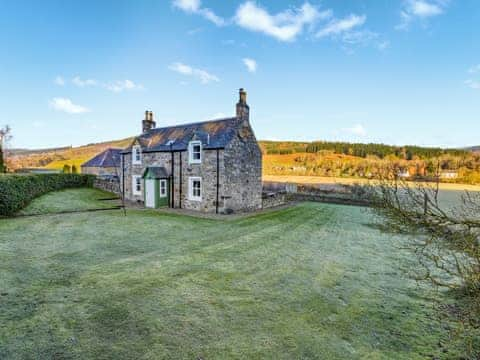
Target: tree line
(408, 152)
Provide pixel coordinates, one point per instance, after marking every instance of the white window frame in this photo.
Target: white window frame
(191, 195)
(191, 146)
(160, 192)
(135, 190)
(137, 155)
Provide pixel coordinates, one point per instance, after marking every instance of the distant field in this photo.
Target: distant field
(350, 181)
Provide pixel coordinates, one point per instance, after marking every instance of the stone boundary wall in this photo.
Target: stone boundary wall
(329, 193)
(112, 186)
(272, 199)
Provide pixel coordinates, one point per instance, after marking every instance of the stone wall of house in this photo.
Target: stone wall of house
(243, 171)
(207, 171)
(112, 186)
(99, 171)
(148, 159)
(274, 199)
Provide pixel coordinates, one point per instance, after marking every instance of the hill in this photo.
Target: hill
(291, 158)
(473, 148)
(56, 158)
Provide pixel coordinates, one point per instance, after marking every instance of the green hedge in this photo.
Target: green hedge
(16, 191)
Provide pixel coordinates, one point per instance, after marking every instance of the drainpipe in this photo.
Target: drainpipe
(180, 183)
(218, 183)
(123, 177)
(172, 201)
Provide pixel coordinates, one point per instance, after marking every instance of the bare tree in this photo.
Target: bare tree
(120, 163)
(445, 238)
(5, 137)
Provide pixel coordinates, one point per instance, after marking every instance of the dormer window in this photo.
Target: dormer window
(195, 152)
(136, 155)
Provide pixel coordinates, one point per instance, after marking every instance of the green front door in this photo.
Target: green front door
(157, 191)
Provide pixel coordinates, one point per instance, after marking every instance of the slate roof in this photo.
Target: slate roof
(214, 134)
(159, 172)
(108, 158)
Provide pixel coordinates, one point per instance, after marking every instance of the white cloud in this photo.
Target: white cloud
(473, 84)
(123, 85)
(419, 9)
(204, 76)
(357, 130)
(188, 5)
(250, 64)
(351, 33)
(195, 7)
(66, 105)
(336, 27)
(83, 83)
(474, 69)
(60, 81)
(424, 9)
(284, 26)
(116, 86)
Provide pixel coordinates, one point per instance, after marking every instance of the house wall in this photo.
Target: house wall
(94, 170)
(148, 159)
(243, 171)
(206, 171)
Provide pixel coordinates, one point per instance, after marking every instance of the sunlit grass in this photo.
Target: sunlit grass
(312, 281)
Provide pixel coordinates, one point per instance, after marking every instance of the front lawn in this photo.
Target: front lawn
(69, 200)
(314, 281)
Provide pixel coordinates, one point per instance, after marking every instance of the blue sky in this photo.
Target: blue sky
(399, 72)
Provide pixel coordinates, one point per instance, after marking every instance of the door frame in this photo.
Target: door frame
(155, 193)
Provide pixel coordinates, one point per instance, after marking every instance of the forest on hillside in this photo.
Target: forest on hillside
(342, 159)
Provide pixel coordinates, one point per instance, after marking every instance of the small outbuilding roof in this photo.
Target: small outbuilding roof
(108, 158)
(214, 134)
(157, 172)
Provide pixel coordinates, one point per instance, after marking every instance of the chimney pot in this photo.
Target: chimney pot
(243, 110)
(243, 96)
(148, 123)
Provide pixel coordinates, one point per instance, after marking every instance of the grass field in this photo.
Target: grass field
(314, 281)
(69, 200)
(350, 181)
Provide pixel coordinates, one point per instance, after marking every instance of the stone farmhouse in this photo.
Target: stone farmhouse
(212, 166)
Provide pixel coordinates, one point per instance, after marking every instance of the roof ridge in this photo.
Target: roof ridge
(190, 124)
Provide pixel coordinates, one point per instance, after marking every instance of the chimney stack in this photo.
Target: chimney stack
(148, 123)
(243, 110)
